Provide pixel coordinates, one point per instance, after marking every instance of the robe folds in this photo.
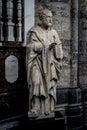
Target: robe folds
(43, 64)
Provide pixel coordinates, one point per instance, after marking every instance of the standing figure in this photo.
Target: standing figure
(44, 56)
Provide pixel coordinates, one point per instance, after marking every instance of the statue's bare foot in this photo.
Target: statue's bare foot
(35, 111)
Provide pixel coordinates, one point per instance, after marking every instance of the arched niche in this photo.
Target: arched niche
(11, 68)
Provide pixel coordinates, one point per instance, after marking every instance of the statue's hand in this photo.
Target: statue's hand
(52, 45)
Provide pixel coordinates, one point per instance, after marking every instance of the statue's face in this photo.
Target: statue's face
(47, 19)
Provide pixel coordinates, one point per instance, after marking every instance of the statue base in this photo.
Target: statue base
(32, 116)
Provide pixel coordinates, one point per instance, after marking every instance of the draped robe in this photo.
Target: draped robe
(43, 64)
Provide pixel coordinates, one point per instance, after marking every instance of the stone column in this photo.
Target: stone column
(75, 108)
(74, 43)
(10, 24)
(1, 23)
(19, 18)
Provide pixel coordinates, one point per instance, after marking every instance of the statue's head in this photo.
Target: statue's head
(45, 15)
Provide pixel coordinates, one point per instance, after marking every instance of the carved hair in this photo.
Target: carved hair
(43, 13)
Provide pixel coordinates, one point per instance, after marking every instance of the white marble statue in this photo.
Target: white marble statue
(44, 56)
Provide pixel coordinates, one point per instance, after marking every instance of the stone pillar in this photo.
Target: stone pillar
(10, 24)
(74, 43)
(19, 25)
(75, 108)
(1, 23)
